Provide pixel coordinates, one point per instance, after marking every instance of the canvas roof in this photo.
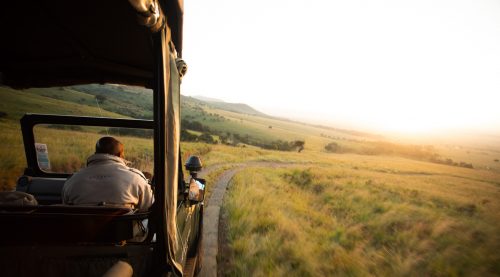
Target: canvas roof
(54, 43)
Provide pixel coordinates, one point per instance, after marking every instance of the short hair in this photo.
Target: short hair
(109, 145)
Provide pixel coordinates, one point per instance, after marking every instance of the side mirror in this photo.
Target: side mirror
(196, 187)
(196, 190)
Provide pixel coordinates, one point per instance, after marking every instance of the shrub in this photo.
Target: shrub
(300, 178)
(131, 132)
(206, 137)
(332, 147)
(100, 98)
(280, 145)
(194, 125)
(466, 165)
(299, 145)
(468, 209)
(187, 136)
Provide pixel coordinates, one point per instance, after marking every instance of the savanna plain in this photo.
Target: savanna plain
(348, 204)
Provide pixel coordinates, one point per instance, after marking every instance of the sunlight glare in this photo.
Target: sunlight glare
(390, 65)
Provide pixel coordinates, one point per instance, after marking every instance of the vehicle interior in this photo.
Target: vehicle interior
(68, 223)
(134, 42)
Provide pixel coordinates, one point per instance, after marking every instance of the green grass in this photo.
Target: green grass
(16, 103)
(135, 102)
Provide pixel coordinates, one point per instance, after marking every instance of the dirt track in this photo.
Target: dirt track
(212, 213)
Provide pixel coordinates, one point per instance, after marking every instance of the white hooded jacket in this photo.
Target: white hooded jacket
(107, 180)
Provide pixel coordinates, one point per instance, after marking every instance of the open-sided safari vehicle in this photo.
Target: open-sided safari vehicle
(135, 42)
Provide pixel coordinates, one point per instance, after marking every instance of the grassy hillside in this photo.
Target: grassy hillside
(231, 107)
(234, 107)
(15, 103)
(136, 102)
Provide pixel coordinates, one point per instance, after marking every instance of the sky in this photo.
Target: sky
(398, 66)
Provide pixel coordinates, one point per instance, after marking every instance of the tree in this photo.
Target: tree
(100, 98)
(299, 145)
(332, 147)
(206, 137)
(187, 136)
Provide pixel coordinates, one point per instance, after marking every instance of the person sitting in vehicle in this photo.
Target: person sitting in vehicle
(108, 181)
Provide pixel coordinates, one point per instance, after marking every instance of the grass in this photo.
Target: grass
(16, 103)
(351, 216)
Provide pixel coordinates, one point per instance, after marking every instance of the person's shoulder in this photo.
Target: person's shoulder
(139, 173)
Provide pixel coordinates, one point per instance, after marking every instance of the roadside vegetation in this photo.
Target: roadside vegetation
(355, 217)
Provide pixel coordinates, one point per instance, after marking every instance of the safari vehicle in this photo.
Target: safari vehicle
(135, 42)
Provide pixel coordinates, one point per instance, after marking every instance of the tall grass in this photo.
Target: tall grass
(338, 220)
(12, 159)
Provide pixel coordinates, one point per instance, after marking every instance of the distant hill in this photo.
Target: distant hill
(230, 107)
(207, 99)
(246, 109)
(235, 107)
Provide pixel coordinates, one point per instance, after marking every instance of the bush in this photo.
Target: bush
(187, 136)
(280, 145)
(332, 147)
(466, 165)
(206, 137)
(450, 162)
(100, 98)
(3, 114)
(299, 145)
(300, 178)
(131, 132)
(194, 125)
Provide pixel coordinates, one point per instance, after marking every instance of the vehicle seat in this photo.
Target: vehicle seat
(66, 224)
(46, 191)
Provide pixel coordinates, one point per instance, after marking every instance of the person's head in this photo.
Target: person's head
(109, 145)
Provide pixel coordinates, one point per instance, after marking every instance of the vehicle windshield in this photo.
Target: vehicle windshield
(65, 148)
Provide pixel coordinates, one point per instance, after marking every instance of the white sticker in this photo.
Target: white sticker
(42, 156)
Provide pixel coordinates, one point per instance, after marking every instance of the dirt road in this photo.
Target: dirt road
(213, 209)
